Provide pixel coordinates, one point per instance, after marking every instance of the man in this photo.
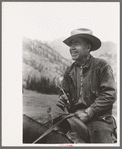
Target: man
(90, 87)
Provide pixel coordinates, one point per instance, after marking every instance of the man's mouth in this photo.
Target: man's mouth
(74, 53)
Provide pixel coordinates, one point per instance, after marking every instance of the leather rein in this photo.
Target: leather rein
(52, 127)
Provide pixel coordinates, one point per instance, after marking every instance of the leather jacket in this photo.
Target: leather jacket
(99, 88)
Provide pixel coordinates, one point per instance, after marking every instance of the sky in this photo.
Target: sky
(48, 21)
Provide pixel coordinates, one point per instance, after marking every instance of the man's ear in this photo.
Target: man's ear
(88, 47)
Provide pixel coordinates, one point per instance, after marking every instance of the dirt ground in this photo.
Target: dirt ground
(41, 106)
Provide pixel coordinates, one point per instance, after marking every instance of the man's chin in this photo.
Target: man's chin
(74, 58)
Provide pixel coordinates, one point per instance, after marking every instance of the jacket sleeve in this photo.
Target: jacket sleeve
(107, 94)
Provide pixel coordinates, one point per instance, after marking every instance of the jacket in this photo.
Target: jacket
(99, 88)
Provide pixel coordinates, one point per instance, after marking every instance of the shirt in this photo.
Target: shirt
(80, 80)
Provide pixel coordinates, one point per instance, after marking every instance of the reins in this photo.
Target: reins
(52, 127)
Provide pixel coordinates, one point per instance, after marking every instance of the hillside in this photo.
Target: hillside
(39, 59)
(61, 47)
(108, 51)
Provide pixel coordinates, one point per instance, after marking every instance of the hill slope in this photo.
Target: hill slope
(39, 59)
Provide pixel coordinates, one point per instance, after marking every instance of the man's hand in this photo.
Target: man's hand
(82, 115)
(63, 102)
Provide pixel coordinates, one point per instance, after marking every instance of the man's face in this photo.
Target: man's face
(78, 49)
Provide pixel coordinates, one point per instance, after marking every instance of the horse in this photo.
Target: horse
(70, 130)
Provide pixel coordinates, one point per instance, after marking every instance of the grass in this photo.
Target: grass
(37, 106)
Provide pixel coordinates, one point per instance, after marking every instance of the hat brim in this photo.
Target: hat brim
(96, 43)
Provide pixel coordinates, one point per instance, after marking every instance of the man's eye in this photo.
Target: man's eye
(76, 44)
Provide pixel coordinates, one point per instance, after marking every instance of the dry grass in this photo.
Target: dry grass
(36, 106)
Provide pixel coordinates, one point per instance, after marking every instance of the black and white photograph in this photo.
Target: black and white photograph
(61, 74)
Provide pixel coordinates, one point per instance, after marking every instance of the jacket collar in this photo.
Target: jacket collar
(71, 71)
(75, 64)
(86, 64)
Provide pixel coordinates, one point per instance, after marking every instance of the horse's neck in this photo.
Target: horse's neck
(33, 130)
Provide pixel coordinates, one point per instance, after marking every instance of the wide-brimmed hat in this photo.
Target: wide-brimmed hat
(84, 33)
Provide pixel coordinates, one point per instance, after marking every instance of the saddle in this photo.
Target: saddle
(73, 128)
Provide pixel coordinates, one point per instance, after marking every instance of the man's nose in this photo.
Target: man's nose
(72, 47)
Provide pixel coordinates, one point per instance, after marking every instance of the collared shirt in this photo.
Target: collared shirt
(79, 72)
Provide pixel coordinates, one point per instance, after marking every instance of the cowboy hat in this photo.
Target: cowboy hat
(84, 33)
